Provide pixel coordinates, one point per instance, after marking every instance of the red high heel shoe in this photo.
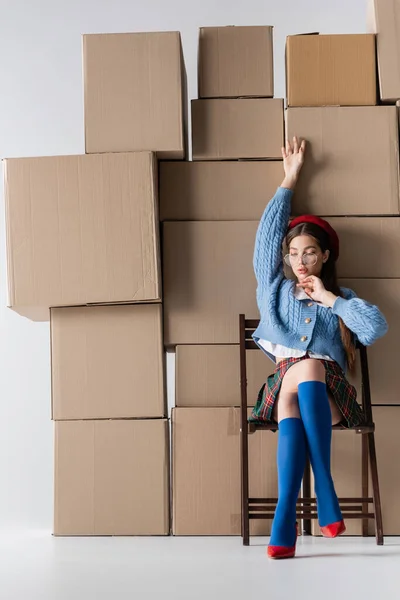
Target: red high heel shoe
(283, 551)
(333, 529)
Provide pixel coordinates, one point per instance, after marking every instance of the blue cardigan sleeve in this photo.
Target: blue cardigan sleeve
(267, 260)
(365, 320)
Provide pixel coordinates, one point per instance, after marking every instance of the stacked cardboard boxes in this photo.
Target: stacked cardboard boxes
(210, 209)
(83, 248)
(384, 21)
(351, 176)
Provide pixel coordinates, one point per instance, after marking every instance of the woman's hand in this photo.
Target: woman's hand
(314, 288)
(293, 159)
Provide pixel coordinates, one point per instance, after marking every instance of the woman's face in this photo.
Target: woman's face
(306, 257)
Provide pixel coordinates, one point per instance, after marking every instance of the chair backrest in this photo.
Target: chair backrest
(248, 326)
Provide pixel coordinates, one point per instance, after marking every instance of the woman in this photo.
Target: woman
(309, 328)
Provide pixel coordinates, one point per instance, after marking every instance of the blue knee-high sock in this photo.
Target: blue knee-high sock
(316, 414)
(290, 458)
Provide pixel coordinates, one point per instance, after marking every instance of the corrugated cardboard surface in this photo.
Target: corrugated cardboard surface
(135, 96)
(209, 375)
(383, 355)
(344, 173)
(235, 61)
(369, 247)
(206, 476)
(330, 70)
(217, 191)
(346, 473)
(384, 20)
(239, 128)
(209, 279)
(107, 362)
(111, 477)
(81, 230)
(387, 440)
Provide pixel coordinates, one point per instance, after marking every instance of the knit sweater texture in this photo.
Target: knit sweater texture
(303, 324)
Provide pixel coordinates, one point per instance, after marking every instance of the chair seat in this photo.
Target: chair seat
(262, 425)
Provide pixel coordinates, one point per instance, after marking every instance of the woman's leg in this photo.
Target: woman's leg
(316, 414)
(287, 405)
(290, 459)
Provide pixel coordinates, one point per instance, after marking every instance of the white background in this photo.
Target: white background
(41, 113)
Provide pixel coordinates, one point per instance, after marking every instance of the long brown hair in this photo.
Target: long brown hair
(329, 279)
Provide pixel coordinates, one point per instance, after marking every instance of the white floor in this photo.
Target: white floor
(40, 567)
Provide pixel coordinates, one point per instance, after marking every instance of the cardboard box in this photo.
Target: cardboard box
(135, 93)
(111, 477)
(331, 70)
(81, 230)
(383, 355)
(107, 362)
(384, 20)
(346, 473)
(236, 62)
(387, 423)
(217, 191)
(209, 375)
(369, 247)
(344, 173)
(234, 129)
(208, 280)
(206, 476)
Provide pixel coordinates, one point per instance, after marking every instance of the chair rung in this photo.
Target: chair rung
(363, 429)
(310, 500)
(251, 345)
(272, 508)
(251, 323)
(265, 516)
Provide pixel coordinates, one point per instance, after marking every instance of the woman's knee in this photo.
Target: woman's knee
(309, 369)
(286, 406)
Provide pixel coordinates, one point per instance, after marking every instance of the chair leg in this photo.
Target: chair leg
(307, 494)
(375, 489)
(245, 485)
(364, 482)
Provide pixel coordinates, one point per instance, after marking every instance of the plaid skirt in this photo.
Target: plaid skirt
(344, 394)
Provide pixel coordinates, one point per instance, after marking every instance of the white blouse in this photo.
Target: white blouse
(276, 350)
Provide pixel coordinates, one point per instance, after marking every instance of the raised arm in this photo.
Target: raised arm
(268, 265)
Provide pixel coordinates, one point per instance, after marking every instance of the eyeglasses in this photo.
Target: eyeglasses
(307, 259)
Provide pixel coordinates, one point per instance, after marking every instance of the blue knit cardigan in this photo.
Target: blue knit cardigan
(303, 324)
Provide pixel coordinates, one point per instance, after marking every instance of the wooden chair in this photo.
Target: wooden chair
(352, 508)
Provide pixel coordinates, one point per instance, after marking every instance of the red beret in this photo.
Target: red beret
(333, 237)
